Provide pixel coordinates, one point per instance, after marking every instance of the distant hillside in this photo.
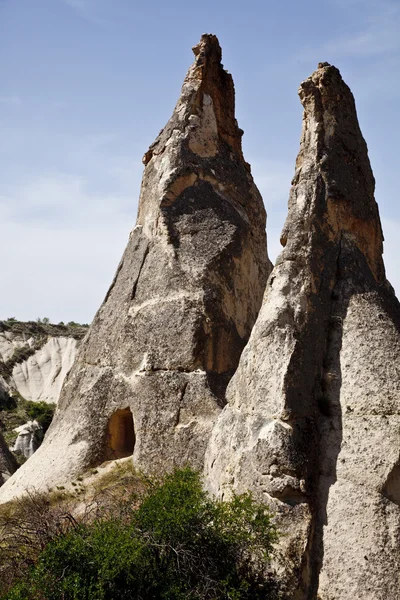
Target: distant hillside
(35, 357)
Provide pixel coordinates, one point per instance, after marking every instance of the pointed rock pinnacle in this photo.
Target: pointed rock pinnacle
(150, 376)
(312, 422)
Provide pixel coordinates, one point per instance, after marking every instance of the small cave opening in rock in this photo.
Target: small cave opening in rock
(120, 440)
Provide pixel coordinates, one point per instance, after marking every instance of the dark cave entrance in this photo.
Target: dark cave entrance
(120, 434)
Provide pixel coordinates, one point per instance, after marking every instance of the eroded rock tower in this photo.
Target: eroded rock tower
(312, 423)
(150, 376)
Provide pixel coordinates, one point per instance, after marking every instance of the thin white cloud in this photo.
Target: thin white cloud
(376, 32)
(376, 39)
(81, 5)
(11, 100)
(60, 199)
(59, 273)
(63, 243)
(88, 9)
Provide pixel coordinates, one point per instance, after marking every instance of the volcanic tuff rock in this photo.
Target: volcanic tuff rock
(29, 438)
(8, 464)
(150, 376)
(35, 358)
(312, 423)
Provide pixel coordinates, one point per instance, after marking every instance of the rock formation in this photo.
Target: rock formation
(8, 464)
(35, 358)
(29, 438)
(312, 423)
(150, 377)
(40, 377)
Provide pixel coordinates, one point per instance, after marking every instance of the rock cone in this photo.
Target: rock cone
(8, 464)
(312, 423)
(150, 376)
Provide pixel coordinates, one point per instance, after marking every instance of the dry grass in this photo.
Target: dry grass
(30, 522)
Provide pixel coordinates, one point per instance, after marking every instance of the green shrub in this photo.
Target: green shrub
(179, 544)
(42, 412)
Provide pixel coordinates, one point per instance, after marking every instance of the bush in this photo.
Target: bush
(44, 320)
(178, 544)
(42, 412)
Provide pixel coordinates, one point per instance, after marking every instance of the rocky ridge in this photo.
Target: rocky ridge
(312, 421)
(150, 377)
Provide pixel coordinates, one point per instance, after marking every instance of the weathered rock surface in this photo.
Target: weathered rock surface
(150, 377)
(312, 423)
(8, 464)
(40, 377)
(29, 438)
(35, 358)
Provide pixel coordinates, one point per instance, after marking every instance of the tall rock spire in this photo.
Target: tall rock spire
(312, 422)
(150, 376)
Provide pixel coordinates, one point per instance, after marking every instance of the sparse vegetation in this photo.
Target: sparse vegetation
(19, 355)
(42, 412)
(74, 324)
(15, 410)
(12, 414)
(161, 539)
(42, 327)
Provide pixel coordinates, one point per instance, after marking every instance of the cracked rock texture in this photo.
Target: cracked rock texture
(8, 464)
(151, 374)
(312, 423)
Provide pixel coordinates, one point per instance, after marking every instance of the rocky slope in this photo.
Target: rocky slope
(35, 357)
(8, 464)
(34, 360)
(150, 377)
(312, 423)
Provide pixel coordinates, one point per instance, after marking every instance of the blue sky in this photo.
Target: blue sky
(86, 85)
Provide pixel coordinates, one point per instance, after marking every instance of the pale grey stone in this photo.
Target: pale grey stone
(30, 435)
(150, 376)
(312, 423)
